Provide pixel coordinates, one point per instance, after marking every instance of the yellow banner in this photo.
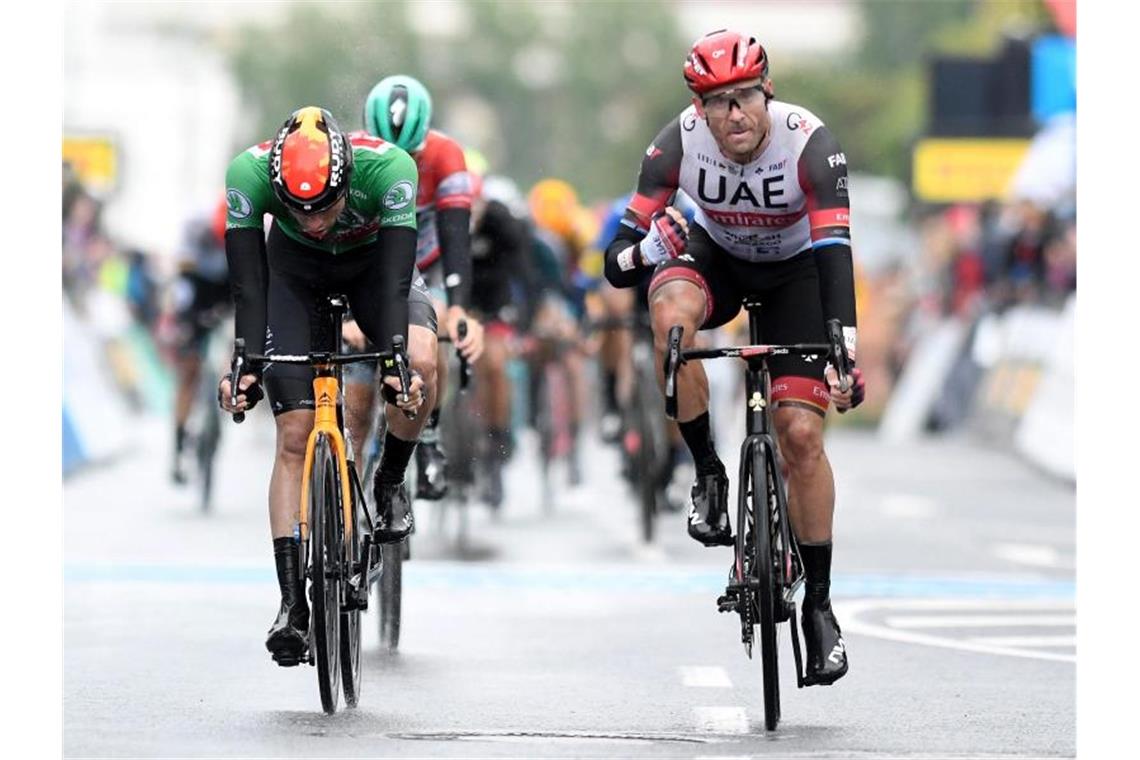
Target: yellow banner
(95, 160)
(953, 170)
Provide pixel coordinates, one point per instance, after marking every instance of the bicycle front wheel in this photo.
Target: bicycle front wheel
(325, 548)
(767, 594)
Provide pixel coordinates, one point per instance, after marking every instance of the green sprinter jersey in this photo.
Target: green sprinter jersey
(382, 193)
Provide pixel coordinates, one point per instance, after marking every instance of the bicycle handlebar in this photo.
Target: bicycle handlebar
(675, 357)
(241, 360)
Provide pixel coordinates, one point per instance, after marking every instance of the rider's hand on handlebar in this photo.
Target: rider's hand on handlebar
(249, 393)
(856, 388)
(667, 238)
(471, 347)
(415, 391)
(353, 335)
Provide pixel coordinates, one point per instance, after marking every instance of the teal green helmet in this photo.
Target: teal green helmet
(398, 110)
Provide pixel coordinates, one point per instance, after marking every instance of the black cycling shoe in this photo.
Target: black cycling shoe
(826, 651)
(394, 519)
(288, 639)
(431, 462)
(708, 510)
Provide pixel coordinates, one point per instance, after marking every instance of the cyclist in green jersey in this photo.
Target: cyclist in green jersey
(343, 211)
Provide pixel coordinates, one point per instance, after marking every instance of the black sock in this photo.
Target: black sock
(394, 462)
(179, 438)
(610, 384)
(817, 569)
(698, 437)
(285, 555)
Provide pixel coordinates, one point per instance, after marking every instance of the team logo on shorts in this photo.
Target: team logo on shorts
(238, 204)
(399, 195)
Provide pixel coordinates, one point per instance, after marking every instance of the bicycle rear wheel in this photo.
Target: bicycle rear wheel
(390, 592)
(354, 564)
(644, 469)
(325, 549)
(767, 595)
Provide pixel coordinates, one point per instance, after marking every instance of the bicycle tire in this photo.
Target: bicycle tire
(324, 518)
(353, 562)
(389, 592)
(644, 474)
(767, 593)
(206, 450)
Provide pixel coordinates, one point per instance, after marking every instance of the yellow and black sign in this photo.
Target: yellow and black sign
(95, 160)
(960, 170)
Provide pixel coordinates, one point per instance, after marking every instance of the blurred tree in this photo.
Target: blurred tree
(578, 90)
(319, 54)
(552, 89)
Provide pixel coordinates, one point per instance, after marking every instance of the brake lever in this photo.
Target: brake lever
(236, 365)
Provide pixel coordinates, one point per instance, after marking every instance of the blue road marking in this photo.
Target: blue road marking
(459, 577)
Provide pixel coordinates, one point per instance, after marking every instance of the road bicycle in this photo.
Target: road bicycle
(337, 556)
(767, 570)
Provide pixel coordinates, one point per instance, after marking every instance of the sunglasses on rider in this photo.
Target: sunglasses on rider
(720, 104)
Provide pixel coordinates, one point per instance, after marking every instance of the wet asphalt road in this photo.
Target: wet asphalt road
(560, 635)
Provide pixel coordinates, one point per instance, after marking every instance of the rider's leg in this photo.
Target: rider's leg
(616, 357)
(287, 635)
(493, 399)
(359, 397)
(493, 390)
(682, 302)
(431, 461)
(187, 368)
(811, 484)
(811, 505)
(792, 314)
(395, 519)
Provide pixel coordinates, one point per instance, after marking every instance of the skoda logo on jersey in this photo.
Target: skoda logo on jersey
(238, 204)
(399, 196)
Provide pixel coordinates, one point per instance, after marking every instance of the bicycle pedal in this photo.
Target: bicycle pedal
(728, 603)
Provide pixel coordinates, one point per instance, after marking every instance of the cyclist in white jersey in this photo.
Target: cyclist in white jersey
(770, 185)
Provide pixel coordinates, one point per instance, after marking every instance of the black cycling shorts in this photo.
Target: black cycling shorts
(791, 310)
(300, 277)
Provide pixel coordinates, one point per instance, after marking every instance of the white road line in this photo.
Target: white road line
(978, 621)
(702, 676)
(1026, 641)
(926, 603)
(721, 720)
(849, 612)
(1035, 555)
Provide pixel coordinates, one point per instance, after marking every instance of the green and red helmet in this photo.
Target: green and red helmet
(310, 163)
(399, 110)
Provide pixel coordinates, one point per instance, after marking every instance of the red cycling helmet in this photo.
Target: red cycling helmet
(723, 57)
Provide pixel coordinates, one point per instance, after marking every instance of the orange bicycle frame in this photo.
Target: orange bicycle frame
(325, 390)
